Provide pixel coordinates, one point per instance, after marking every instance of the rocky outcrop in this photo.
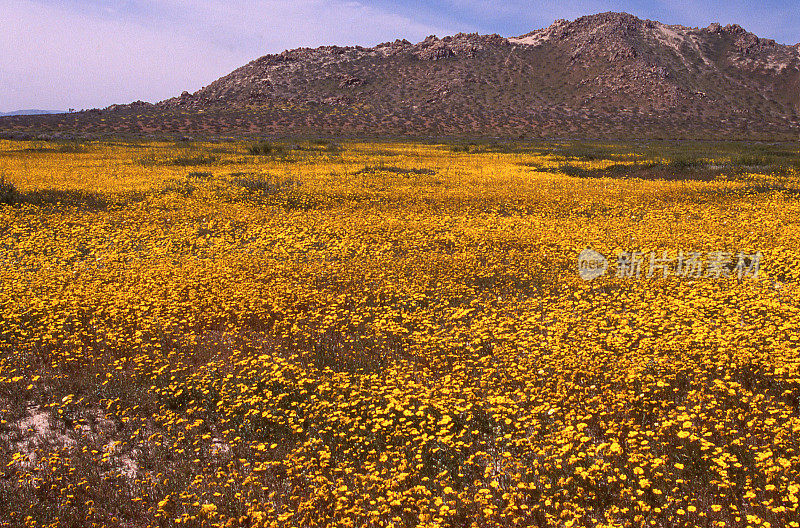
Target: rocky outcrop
(136, 105)
(461, 44)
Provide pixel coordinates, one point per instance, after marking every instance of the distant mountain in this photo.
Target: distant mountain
(610, 75)
(30, 112)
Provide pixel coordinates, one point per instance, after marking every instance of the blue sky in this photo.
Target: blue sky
(60, 54)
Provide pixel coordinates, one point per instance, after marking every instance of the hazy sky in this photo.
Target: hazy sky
(60, 54)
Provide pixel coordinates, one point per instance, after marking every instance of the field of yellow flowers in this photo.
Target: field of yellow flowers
(385, 334)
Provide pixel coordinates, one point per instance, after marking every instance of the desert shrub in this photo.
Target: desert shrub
(180, 186)
(65, 197)
(683, 163)
(265, 148)
(183, 160)
(9, 195)
(332, 148)
(284, 192)
(266, 188)
(576, 171)
(750, 160)
(461, 148)
(8, 192)
(201, 175)
(259, 185)
(395, 170)
(266, 184)
(326, 146)
(187, 161)
(69, 147)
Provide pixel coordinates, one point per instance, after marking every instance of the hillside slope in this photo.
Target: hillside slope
(606, 75)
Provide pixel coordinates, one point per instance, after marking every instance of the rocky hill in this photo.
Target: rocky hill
(607, 75)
